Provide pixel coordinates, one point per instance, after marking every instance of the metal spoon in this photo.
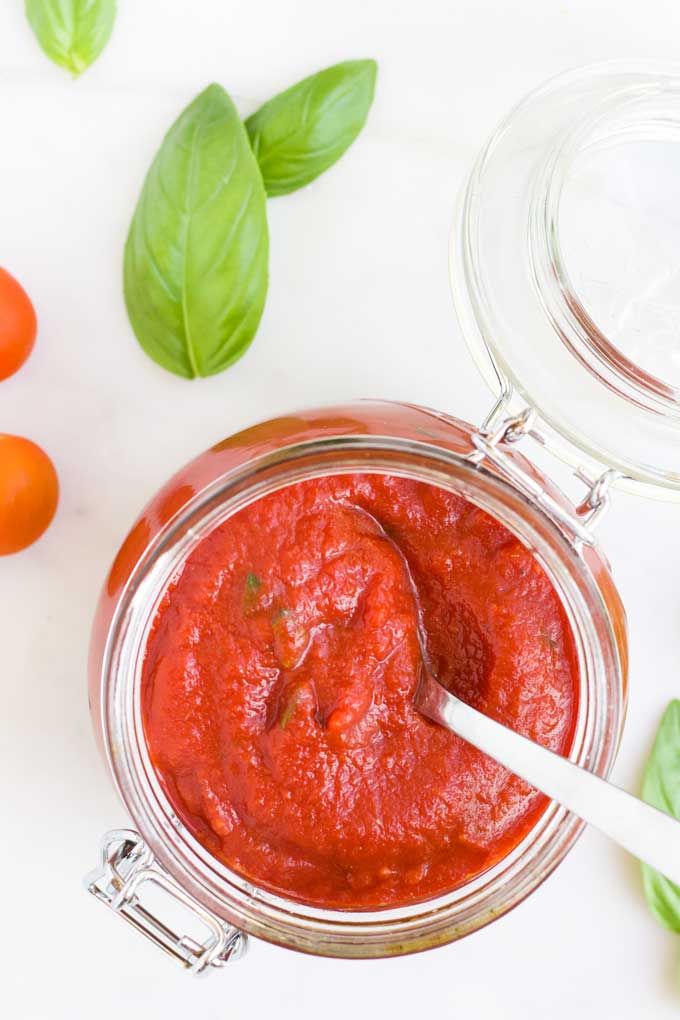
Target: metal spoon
(642, 830)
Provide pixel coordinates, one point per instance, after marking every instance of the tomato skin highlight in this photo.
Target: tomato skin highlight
(29, 493)
(18, 325)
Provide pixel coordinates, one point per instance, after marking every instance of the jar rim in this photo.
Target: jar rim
(391, 931)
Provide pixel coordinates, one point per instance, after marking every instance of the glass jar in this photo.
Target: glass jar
(563, 261)
(364, 437)
(544, 298)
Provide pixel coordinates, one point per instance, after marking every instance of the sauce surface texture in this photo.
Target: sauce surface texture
(279, 676)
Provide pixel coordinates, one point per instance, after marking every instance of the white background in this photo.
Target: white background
(359, 304)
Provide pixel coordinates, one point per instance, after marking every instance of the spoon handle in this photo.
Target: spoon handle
(649, 834)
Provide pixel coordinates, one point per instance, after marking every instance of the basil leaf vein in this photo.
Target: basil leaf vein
(301, 132)
(72, 32)
(661, 788)
(196, 257)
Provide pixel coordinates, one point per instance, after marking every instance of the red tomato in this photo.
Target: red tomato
(18, 325)
(29, 492)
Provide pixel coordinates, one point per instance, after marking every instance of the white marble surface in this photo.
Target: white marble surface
(359, 305)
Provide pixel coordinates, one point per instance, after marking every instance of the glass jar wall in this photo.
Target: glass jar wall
(365, 437)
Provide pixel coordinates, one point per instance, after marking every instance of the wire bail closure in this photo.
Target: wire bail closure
(499, 431)
(126, 865)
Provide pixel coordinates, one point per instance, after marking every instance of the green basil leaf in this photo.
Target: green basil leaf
(251, 594)
(72, 32)
(253, 583)
(661, 788)
(304, 130)
(663, 898)
(289, 707)
(196, 258)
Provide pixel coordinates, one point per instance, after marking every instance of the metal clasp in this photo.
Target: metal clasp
(499, 430)
(127, 864)
(597, 500)
(509, 430)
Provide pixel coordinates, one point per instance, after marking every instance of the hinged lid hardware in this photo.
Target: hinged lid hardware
(598, 498)
(510, 430)
(126, 865)
(500, 431)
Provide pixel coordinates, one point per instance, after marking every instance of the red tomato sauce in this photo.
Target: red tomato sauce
(279, 677)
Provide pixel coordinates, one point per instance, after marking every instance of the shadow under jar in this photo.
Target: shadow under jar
(575, 335)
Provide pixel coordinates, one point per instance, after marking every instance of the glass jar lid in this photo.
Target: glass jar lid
(566, 268)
